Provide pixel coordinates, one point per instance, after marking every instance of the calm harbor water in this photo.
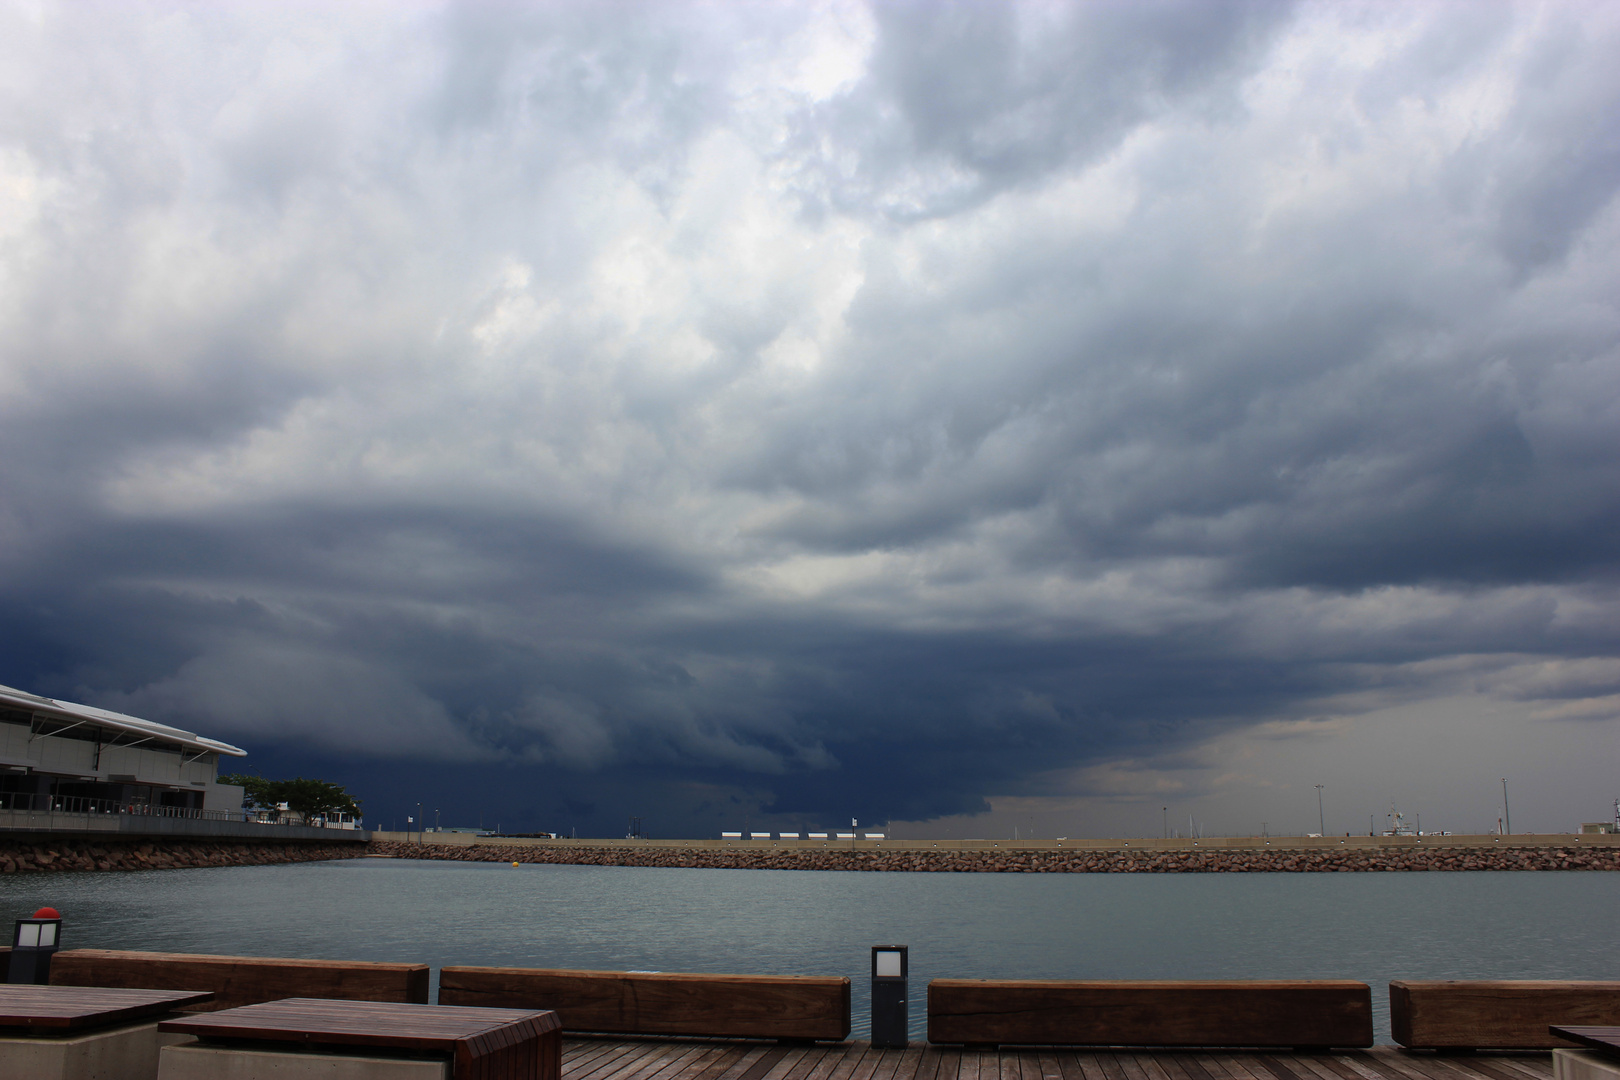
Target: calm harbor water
(1372, 927)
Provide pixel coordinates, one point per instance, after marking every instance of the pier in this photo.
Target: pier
(691, 1059)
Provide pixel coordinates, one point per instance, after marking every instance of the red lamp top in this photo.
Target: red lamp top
(47, 913)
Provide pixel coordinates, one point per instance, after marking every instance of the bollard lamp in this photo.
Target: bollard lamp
(890, 971)
(33, 944)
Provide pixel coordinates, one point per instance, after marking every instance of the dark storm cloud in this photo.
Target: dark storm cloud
(1000, 95)
(805, 411)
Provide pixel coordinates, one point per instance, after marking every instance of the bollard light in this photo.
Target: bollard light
(890, 970)
(33, 944)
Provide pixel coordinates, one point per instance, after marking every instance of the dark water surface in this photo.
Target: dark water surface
(1368, 926)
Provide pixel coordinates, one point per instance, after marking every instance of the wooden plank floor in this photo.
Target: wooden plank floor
(695, 1059)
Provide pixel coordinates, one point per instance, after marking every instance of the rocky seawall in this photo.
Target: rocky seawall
(1032, 862)
(65, 854)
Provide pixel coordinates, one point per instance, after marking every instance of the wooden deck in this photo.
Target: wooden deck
(695, 1059)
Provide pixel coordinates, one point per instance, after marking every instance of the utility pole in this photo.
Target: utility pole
(1321, 818)
(1506, 813)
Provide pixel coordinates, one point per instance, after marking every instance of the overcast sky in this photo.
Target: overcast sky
(984, 416)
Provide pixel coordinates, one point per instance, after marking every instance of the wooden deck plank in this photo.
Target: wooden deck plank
(621, 1065)
(764, 1064)
(696, 1059)
(1515, 1066)
(1047, 1062)
(1173, 1067)
(806, 1063)
(1278, 1068)
(698, 1065)
(662, 1061)
(579, 1050)
(950, 1063)
(579, 1054)
(868, 1065)
(1334, 1067)
(1132, 1065)
(1069, 1062)
(614, 1056)
(1153, 1068)
(1447, 1066)
(1365, 1067)
(790, 1059)
(1393, 1064)
(845, 1069)
(830, 1059)
(1091, 1066)
(726, 1062)
(1319, 1066)
(928, 1063)
(1225, 1066)
(1111, 1068)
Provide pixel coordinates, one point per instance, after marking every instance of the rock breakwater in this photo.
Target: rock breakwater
(75, 854)
(1283, 860)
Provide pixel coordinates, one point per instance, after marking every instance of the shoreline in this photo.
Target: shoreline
(80, 853)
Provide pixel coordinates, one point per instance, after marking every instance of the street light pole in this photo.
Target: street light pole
(1166, 810)
(1506, 813)
(1321, 818)
(419, 823)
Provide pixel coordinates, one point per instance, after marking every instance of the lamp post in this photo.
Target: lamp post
(33, 943)
(1166, 811)
(1507, 814)
(421, 824)
(890, 969)
(1321, 818)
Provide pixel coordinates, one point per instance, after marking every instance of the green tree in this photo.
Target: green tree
(308, 799)
(317, 798)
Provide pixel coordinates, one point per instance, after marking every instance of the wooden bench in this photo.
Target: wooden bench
(84, 1031)
(625, 1002)
(985, 1012)
(1497, 1014)
(242, 980)
(310, 1036)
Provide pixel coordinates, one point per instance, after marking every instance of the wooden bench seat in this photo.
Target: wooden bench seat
(625, 1002)
(242, 980)
(988, 1012)
(1496, 1014)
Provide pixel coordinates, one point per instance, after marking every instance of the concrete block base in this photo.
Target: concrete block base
(193, 1060)
(1584, 1065)
(126, 1052)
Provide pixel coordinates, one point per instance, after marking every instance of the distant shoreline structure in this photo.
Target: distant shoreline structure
(1230, 855)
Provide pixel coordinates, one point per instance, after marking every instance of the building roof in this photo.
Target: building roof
(21, 699)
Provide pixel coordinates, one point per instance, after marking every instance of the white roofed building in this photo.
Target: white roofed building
(58, 756)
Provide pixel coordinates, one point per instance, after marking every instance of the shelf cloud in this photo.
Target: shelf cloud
(900, 410)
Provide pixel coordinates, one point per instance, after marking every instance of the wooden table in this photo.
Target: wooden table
(1604, 1039)
(483, 1044)
(62, 1009)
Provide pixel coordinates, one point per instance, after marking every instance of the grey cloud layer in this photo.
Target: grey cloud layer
(769, 391)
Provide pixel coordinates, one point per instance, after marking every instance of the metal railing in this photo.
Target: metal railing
(32, 802)
(75, 804)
